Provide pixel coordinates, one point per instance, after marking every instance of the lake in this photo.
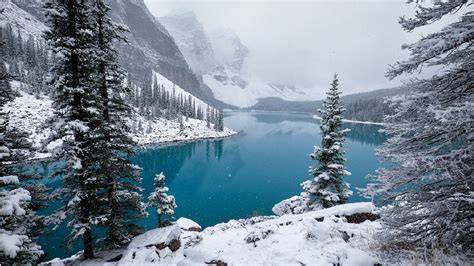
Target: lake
(214, 181)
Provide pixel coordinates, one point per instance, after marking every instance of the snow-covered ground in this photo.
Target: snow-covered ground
(323, 237)
(164, 131)
(29, 113)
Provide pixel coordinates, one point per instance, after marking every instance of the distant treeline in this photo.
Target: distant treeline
(366, 106)
(372, 110)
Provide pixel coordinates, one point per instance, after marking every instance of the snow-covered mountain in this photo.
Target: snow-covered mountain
(219, 57)
(20, 19)
(150, 46)
(193, 42)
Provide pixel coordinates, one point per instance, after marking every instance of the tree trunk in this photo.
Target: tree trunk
(88, 245)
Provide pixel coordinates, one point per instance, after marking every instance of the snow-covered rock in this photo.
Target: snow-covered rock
(188, 225)
(164, 235)
(157, 245)
(323, 237)
(293, 205)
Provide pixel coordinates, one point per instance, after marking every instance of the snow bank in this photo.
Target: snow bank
(323, 237)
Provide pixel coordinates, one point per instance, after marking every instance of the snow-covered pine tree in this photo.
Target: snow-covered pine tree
(70, 37)
(164, 203)
(208, 117)
(17, 217)
(431, 139)
(181, 123)
(122, 201)
(220, 120)
(328, 188)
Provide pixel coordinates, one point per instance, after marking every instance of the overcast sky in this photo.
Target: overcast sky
(305, 42)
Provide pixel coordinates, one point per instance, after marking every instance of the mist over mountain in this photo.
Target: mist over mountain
(219, 57)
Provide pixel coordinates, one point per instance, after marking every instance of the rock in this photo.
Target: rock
(358, 218)
(293, 205)
(188, 225)
(161, 238)
(345, 236)
(217, 263)
(173, 245)
(258, 234)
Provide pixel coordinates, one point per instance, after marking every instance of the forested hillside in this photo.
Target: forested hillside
(29, 63)
(366, 106)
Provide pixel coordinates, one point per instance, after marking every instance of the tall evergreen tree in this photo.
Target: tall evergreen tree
(119, 176)
(163, 203)
(69, 36)
(431, 142)
(328, 188)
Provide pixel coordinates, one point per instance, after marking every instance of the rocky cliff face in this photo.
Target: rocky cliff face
(192, 40)
(152, 47)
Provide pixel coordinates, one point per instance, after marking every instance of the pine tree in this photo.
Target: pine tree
(220, 120)
(181, 123)
(69, 35)
(17, 216)
(208, 117)
(119, 176)
(163, 203)
(431, 142)
(328, 188)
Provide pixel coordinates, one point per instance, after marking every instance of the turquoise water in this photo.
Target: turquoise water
(242, 176)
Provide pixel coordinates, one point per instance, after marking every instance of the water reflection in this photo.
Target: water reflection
(365, 133)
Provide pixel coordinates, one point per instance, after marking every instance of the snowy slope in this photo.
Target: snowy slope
(170, 86)
(321, 237)
(29, 113)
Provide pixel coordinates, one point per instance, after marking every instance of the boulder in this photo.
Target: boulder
(188, 225)
(161, 238)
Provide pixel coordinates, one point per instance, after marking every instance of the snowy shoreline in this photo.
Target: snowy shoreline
(28, 113)
(156, 145)
(303, 113)
(355, 121)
